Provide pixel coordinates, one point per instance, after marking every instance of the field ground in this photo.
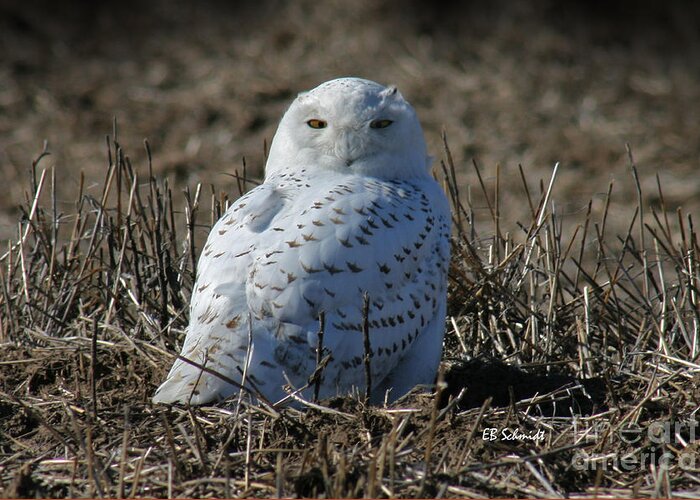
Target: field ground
(206, 82)
(573, 307)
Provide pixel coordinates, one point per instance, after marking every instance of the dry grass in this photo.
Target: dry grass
(579, 338)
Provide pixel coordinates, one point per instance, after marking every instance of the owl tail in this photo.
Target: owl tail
(190, 384)
(214, 360)
(207, 371)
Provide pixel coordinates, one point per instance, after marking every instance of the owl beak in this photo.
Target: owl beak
(346, 146)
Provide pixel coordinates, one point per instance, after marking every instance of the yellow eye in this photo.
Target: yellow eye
(380, 123)
(316, 123)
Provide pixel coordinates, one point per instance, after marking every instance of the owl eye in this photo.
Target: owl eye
(380, 123)
(316, 123)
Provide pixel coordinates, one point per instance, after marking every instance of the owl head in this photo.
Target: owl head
(350, 125)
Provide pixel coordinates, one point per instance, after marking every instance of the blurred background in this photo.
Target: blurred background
(511, 83)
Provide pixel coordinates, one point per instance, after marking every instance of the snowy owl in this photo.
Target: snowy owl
(348, 209)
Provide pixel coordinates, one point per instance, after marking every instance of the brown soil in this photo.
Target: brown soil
(511, 84)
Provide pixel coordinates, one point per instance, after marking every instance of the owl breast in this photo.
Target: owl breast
(337, 240)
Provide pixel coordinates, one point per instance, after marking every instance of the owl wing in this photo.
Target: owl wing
(343, 238)
(219, 318)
